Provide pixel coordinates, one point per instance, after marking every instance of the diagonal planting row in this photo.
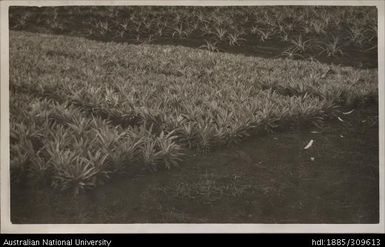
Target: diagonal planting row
(155, 102)
(48, 138)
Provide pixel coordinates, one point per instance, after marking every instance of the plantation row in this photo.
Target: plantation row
(82, 110)
(69, 150)
(322, 30)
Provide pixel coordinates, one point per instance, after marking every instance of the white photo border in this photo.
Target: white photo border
(8, 227)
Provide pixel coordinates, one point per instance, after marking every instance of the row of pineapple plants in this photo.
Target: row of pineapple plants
(325, 30)
(71, 151)
(87, 112)
(58, 144)
(167, 79)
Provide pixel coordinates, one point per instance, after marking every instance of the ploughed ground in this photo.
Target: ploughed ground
(266, 179)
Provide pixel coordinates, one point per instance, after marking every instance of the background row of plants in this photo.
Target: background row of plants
(295, 31)
(83, 110)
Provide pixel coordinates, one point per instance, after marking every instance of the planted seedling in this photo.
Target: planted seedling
(211, 46)
(331, 48)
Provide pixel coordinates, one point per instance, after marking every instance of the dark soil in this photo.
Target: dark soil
(268, 179)
(274, 48)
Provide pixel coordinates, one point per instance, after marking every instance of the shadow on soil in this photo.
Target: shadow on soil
(268, 179)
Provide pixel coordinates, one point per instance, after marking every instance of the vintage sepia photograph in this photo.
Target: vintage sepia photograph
(259, 114)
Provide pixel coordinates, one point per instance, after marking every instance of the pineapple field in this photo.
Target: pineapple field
(162, 114)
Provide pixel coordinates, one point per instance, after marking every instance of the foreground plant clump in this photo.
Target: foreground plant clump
(83, 110)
